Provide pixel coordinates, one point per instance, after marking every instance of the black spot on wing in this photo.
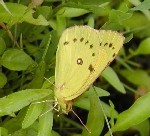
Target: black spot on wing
(91, 68)
(75, 39)
(79, 61)
(105, 44)
(114, 55)
(87, 42)
(110, 45)
(100, 44)
(81, 40)
(91, 46)
(66, 42)
(93, 54)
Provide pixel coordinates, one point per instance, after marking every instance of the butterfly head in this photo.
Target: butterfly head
(64, 106)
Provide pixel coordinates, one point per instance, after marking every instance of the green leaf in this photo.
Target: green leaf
(116, 19)
(13, 124)
(138, 77)
(145, 5)
(99, 91)
(95, 118)
(61, 24)
(15, 59)
(3, 80)
(71, 12)
(143, 128)
(20, 132)
(45, 124)
(3, 131)
(84, 103)
(18, 100)
(137, 113)
(144, 47)
(38, 78)
(2, 45)
(113, 79)
(5, 7)
(19, 14)
(32, 114)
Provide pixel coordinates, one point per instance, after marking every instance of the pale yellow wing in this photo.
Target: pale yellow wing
(83, 53)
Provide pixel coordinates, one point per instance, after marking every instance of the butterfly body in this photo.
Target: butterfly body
(82, 54)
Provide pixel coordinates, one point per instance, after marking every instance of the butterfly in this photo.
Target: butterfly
(82, 54)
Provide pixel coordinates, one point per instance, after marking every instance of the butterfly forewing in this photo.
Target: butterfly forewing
(74, 56)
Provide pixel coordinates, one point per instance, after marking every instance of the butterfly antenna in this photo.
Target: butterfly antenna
(81, 121)
(49, 81)
(44, 101)
(50, 109)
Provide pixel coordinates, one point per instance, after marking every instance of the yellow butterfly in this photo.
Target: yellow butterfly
(82, 54)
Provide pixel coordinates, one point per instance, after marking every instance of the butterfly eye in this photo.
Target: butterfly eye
(79, 61)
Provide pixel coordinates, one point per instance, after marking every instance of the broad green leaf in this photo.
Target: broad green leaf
(15, 59)
(20, 132)
(18, 100)
(46, 11)
(3, 131)
(89, 2)
(118, 16)
(45, 124)
(145, 5)
(84, 103)
(144, 47)
(137, 77)
(116, 19)
(38, 78)
(99, 91)
(5, 7)
(143, 128)
(95, 118)
(20, 14)
(3, 80)
(33, 113)
(32, 49)
(61, 24)
(113, 79)
(71, 12)
(14, 124)
(136, 114)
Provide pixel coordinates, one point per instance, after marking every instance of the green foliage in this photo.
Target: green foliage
(28, 41)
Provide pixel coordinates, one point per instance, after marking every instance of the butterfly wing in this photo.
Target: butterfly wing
(82, 54)
(74, 56)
